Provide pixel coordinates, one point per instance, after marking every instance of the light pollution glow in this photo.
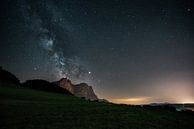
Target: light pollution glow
(174, 89)
(138, 100)
(148, 100)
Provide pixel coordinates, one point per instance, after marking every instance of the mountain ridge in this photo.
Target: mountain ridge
(82, 90)
(64, 85)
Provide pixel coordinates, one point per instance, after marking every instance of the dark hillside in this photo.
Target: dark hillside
(7, 77)
(45, 86)
(24, 108)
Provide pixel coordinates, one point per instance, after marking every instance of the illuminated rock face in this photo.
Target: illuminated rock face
(65, 83)
(83, 90)
(80, 90)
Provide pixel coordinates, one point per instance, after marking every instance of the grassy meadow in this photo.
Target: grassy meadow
(23, 108)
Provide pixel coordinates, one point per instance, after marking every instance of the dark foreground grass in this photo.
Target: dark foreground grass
(23, 108)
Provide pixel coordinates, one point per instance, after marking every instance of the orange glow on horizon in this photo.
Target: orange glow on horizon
(137, 100)
(168, 89)
(147, 100)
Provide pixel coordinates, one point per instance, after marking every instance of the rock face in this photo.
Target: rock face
(83, 90)
(80, 90)
(66, 84)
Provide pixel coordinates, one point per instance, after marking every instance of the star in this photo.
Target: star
(112, 44)
(35, 68)
(188, 9)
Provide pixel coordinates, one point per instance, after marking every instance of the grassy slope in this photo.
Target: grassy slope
(29, 109)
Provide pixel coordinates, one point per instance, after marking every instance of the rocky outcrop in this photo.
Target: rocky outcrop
(66, 84)
(82, 90)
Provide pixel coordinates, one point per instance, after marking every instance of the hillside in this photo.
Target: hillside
(8, 77)
(43, 85)
(23, 108)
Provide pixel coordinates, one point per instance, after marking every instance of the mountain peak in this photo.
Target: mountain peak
(82, 90)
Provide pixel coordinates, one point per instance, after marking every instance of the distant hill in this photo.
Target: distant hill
(7, 77)
(43, 85)
(81, 90)
(64, 85)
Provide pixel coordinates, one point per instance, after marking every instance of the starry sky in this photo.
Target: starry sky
(130, 51)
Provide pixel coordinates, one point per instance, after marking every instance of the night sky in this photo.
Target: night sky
(130, 51)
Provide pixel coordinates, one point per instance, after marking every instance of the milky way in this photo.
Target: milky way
(134, 50)
(51, 33)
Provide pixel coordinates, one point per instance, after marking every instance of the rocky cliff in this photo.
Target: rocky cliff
(82, 90)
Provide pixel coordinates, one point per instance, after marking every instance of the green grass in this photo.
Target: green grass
(23, 108)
